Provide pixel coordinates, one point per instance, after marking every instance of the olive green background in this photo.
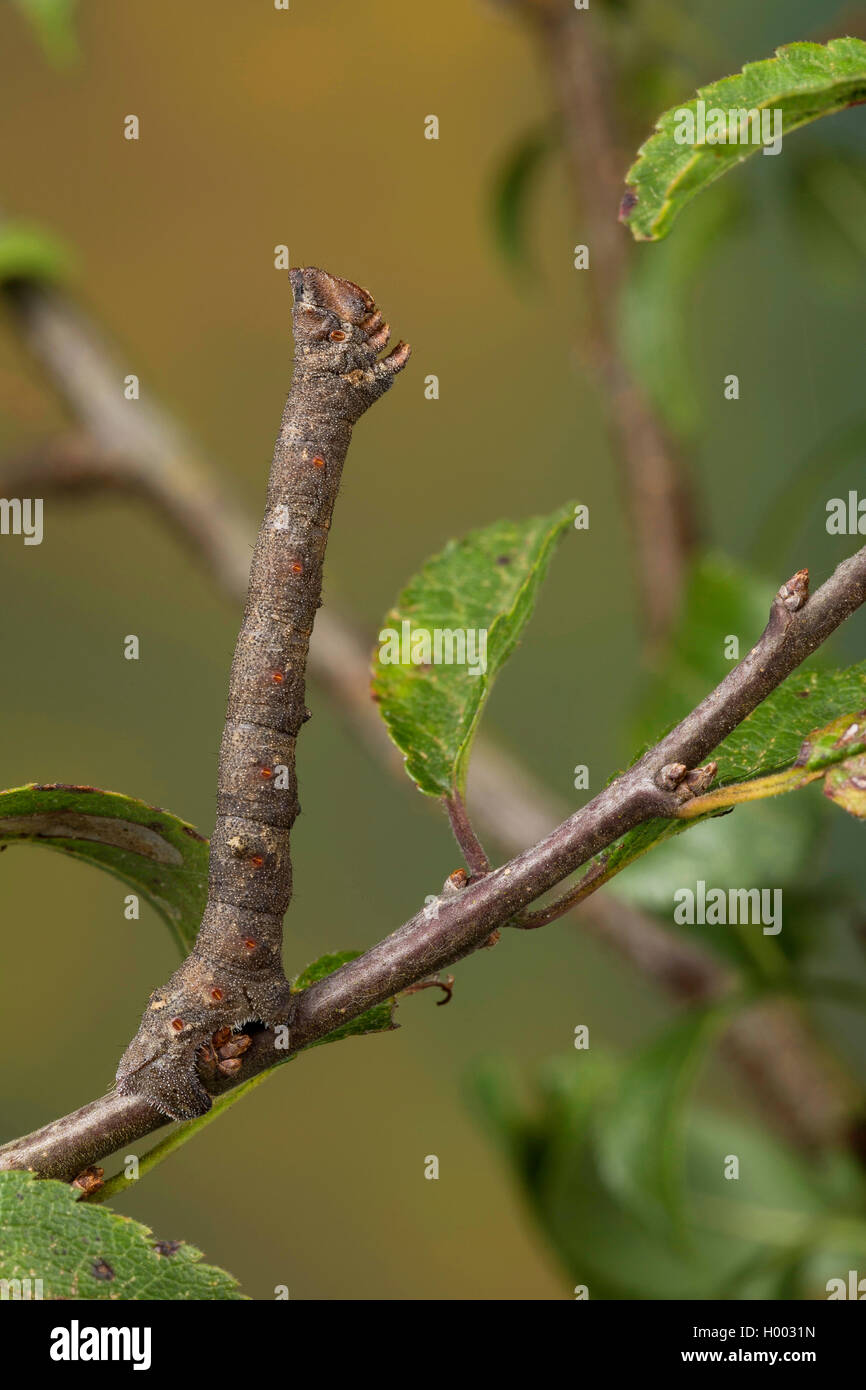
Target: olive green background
(260, 127)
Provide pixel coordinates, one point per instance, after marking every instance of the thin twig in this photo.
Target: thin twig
(585, 885)
(654, 483)
(423, 946)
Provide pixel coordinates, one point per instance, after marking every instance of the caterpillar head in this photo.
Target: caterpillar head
(337, 328)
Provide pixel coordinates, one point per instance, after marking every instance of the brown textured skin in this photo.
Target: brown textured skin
(234, 972)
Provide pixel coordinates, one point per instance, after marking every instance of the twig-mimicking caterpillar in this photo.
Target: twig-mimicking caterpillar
(234, 972)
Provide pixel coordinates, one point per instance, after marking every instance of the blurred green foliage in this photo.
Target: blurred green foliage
(605, 1153)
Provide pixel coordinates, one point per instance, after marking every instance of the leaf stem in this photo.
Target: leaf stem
(473, 851)
(777, 783)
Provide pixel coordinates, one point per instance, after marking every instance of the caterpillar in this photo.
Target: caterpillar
(234, 973)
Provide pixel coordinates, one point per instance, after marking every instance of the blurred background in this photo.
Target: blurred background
(306, 127)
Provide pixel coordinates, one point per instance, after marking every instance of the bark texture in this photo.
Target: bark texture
(234, 973)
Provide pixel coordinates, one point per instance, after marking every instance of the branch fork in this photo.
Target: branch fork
(338, 375)
(422, 947)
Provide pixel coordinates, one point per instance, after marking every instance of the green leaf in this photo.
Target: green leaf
(80, 1251)
(640, 1135)
(769, 840)
(770, 738)
(155, 853)
(379, 1019)
(768, 843)
(319, 969)
(29, 253)
(761, 844)
(52, 21)
(803, 81)
(158, 855)
(485, 584)
(724, 600)
(512, 188)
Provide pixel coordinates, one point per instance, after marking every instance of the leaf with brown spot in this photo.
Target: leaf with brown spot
(80, 1251)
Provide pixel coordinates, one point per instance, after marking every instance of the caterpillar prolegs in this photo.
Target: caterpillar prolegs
(234, 972)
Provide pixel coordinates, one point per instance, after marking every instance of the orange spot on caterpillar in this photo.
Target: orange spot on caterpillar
(277, 677)
(267, 772)
(256, 860)
(177, 1024)
(296, 567)
(318, 461)
(216, 994)
(338, 336)
(250, 943)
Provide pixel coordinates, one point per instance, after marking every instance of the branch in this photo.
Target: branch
(234, 972)
(658, 497)
(775, 1048)
(142, 452)
(423, 946)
